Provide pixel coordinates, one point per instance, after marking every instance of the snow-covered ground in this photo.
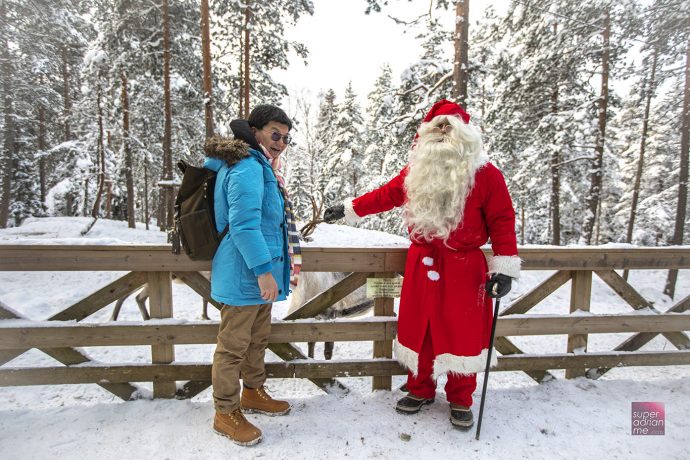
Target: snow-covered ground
(576, 418)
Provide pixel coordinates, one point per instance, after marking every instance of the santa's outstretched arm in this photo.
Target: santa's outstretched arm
(384, 198)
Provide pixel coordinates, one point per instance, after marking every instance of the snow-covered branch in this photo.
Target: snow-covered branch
(576, 159)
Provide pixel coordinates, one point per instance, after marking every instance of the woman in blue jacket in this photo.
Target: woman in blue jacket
(251, 268)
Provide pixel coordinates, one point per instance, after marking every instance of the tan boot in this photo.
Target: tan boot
(237, 428)
(257, 400)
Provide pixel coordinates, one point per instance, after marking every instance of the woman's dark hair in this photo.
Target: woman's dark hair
(263, 114)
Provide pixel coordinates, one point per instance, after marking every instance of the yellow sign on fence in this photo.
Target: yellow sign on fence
(384, 287)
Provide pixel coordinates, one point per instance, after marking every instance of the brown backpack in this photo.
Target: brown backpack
(195, 221)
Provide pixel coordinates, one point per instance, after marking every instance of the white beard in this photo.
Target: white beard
(440, 177)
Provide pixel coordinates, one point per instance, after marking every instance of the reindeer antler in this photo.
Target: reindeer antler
(310, 226)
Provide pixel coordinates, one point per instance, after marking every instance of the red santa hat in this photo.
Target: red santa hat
(445, 107)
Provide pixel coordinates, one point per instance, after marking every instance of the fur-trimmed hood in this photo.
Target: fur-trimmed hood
(231, 150)
(228, 150)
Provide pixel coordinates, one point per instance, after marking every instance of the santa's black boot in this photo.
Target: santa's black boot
(461, 417)
(411, 404)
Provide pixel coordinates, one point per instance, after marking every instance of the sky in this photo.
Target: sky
(347, 45)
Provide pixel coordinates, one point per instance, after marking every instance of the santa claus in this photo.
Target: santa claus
(454, 200)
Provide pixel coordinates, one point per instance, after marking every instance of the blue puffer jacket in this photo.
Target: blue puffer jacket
(247, 198)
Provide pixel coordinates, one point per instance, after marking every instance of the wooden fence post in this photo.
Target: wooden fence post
(383, 306)
(160, 299)
(580, 297)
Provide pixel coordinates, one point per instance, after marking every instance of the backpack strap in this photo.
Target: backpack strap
(224, 232)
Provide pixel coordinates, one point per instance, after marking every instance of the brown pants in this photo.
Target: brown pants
(242, 339)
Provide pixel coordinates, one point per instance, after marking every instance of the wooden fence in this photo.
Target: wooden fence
(155, 266)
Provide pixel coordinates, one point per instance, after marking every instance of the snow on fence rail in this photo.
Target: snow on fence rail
(155, 265)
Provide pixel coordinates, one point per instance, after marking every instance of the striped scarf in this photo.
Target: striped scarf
(294, 249)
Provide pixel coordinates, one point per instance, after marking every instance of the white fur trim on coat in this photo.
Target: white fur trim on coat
(351, 216)
(479, 161)
(507, 265)
(406, 357)
(462, 365)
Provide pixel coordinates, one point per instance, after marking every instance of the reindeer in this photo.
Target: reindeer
(143, 295)
(313, 283)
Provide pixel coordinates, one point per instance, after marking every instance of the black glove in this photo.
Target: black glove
(498, 285)
(334, 213)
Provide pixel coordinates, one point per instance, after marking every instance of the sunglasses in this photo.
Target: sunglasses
(442, 129)
(275, 137)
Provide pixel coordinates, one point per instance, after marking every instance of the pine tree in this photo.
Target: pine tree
(343, 167)
(26, 196)
(300, 188)
(303, 162)
(325, 135)
(379, 133)
(45, 37)
(381, 150)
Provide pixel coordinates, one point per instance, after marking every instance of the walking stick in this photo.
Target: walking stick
(486, 370)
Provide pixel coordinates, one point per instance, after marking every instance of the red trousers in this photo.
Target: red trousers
(459, 388)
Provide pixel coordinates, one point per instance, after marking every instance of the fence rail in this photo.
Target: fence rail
(143, 258)
(34, 334)
(59, 335)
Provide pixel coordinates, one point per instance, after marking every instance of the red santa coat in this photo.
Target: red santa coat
(443, 289)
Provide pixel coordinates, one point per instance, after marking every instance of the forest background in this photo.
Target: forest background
(584, 106)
